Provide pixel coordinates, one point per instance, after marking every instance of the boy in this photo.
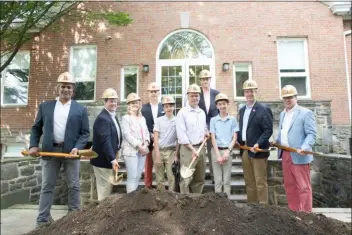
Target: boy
(223, 130)
(165, 145)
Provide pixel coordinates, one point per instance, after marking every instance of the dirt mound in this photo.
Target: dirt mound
(151, 212)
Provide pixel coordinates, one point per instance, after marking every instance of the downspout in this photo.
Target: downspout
(347, 72)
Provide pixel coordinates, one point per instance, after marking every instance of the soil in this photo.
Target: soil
(151, 212)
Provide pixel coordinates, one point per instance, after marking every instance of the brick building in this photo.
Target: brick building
(306, 44)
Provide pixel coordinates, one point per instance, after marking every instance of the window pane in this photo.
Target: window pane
(130, 80)
(241, 77)
(291, 55)
(185, 45)
(194, 71)
(15, 80)
(298, 82)
(83, 64)
(84, 91)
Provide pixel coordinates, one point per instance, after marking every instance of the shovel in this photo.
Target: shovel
(289, 149)
(85, 154)
(116, 179)
(187, 171)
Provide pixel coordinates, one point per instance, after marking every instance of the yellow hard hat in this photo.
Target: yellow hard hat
(168, 100)
(193, 88)
(250, 84)
(153, 86)
(132, 97)
(66, 77)
(221, 96)
(110, 94)
(204, 74)
(288, 91)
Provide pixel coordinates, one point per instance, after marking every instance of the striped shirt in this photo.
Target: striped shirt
(191, 125)
(167, 131)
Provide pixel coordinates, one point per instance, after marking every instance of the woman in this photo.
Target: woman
(135, 141)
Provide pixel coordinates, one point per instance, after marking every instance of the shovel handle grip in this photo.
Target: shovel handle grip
(289, 149)
(245, 147)
(51, 154)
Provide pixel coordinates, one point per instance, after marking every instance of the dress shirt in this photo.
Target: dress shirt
(206, 95)
(246, 114)
(154, 111)
(286, 124)
(61, 112)
(113, 116)
(191, 125)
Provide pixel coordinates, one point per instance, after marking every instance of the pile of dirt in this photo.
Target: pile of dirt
(152, 212)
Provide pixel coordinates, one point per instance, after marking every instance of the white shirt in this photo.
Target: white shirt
(286, 123)
(60, 119)
(113, 116)
(246, 114)
(207, 100)
(154, 111)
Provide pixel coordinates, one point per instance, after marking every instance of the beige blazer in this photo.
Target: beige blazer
(135, 132)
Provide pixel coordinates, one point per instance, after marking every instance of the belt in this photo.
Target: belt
(168, 148)
(222, 148)
(197, 145)
(58, 144)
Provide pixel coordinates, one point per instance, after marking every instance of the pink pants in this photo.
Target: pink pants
(297, 184)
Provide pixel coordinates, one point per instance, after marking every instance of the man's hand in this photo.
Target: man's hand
(219, 159)
(226, 155)
(152, 136)
(115, 165)
(207, 135)
(157, 160)
(194, 153)
(272, 143)
(176, 157)
(74, 151)
(33, 151)
(300, 152)
(253, 149)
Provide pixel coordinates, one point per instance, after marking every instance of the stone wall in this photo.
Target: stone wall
(330, 138)
(330, 177)
(21, 180)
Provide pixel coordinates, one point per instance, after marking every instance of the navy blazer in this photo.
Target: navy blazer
(106, 142)
(213, 111)
(259, 128)
(77, 127)
(148, 115)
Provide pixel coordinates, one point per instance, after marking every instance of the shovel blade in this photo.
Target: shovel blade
(115, 181)
(87, 153)
(186, 172)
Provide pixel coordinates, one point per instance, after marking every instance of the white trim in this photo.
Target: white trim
(298, 74)
(234, 79)
(122, 80)
(347, 73)
(3, 73)
(184, 62)
(96, 66)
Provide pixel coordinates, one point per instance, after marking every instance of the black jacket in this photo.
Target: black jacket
(259, 128)
(106, 142)
(148, 115)
(213, 111)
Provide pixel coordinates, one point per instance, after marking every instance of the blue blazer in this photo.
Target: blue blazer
(213, 111)
(301, 135)
(77, 127)
(106, 142)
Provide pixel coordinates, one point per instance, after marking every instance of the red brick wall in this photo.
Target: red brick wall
(238, 32)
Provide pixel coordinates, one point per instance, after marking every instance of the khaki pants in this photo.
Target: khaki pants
(104, 187)
(194, 183)
(222, 173)
(255, 177)
(166, 158)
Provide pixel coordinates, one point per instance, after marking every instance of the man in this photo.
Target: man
(65, 128)
(256, 127)
(107, 140)
(297, 129)
(223, 129)
(166, 148)
(151, 111)
(191, 128)
(207, 104)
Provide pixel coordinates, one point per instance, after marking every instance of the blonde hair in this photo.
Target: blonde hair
(130, 112)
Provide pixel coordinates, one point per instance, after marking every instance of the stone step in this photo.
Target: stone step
(238, 197)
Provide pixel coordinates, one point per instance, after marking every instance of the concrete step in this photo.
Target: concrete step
(238, 197)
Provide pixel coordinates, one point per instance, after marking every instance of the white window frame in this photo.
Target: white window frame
(295, 74)
(70, 69)
(122, 80)
(18, 154)
(3, 73)
(249, 64)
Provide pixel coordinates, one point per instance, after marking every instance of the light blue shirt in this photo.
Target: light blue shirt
(223, 129)
(191, 125)
(246, 114)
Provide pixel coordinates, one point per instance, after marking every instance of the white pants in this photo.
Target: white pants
(104, 187)
(134, 167)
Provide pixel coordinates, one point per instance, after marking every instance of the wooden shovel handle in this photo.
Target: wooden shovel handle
(245, 147)
(202, 145)
(51, 154)
(289, 149)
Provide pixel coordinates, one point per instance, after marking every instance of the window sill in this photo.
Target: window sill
(14, 105)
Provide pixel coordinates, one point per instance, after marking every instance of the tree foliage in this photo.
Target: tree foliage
(21, 21)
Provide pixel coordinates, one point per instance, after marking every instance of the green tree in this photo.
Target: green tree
(21, 21)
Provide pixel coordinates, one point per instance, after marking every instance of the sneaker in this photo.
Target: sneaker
(39, 224)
